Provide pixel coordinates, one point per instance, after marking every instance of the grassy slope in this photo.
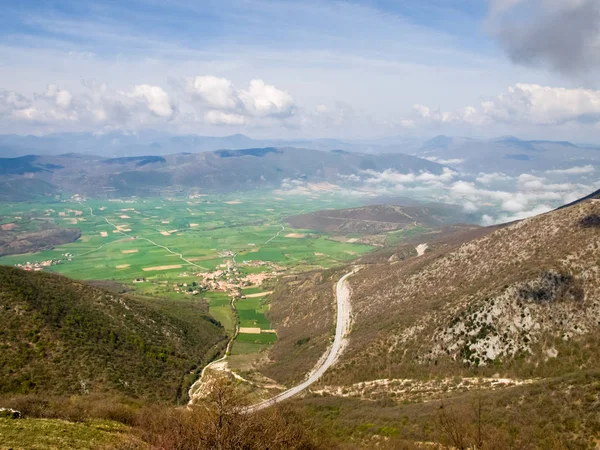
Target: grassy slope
(457, 298)
(302, 311)
(52, 434)
(402, 308)
(64, 337)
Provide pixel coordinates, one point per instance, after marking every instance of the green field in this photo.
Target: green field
(252, 314)
(155, 232)
(171, 242)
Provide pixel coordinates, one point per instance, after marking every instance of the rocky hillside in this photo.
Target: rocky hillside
(523, 300)
(60, 336)
(517, 301)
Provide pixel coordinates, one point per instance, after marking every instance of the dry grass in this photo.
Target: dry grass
(485, 301)
(157, 268)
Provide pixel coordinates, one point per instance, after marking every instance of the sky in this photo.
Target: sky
(354, 69)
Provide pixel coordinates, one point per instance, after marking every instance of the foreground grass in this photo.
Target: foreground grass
(48, 434)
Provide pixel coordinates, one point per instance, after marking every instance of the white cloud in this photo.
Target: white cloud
(530, 195)
(539, 209)
(543, 105)
(61, 97)
(391, 177)
(467, 115)
(12, 103)
(217, 93)
(214, 117)
(576, 170)
(487, 220)
(262, 100)
(521, 104)
(450, 162)
(97, 106)
(157, 100)
(470, 207)
(228, 105)
(489, 178)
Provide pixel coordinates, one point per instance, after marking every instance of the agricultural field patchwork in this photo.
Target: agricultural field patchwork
(159, 239)
(210, 248)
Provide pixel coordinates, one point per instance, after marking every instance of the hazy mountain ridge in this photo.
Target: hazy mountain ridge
(224, 170)
(507, 154)
(153, 143)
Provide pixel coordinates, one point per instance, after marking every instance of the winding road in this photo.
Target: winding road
(342, 327)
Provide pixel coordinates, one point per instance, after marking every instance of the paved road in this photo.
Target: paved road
(342, 327)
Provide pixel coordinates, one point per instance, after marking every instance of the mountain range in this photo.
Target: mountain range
(219, 171)
(507, 154)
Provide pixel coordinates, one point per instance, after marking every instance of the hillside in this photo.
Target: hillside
(60, 336)
(375, 219)
(219, 171)
(490, 339)
(14, 242)
(519, 301)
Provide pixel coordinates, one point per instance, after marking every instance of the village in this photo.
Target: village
(37, 266)
(228, 278)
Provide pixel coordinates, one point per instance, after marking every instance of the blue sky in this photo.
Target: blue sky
(348, 69)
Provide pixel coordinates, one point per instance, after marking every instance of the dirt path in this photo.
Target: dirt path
(278, 233)
(196, 388)
(342, 327)
(143, 239)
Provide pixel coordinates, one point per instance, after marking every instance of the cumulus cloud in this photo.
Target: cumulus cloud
(529, 104)
(205, 99)
(531, 195)
(217, 93)
(576, 170)
(392, 177)
(61, 97)
(563, 35)
(423, 114)
(544, 105)
(228, 105)
(155, 98)
(489, 178)
(97, 106)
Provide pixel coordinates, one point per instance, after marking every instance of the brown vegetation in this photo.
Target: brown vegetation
(13, 242)
(375, 219)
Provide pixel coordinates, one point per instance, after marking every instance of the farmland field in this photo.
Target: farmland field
(167, 247)
(161, 238)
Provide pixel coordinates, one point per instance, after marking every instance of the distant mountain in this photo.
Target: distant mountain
(507, 154)
(60, 336)
(219, 171)
(153, 143)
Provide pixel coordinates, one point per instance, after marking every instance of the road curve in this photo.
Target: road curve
(342, 327)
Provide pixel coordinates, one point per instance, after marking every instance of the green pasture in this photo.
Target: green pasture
(219, 306)
(167, 241)
(155, 231)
